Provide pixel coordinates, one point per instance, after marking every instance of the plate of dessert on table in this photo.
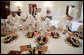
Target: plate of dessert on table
(30, 34)
(73, 41)
(4, 31)
(10, 38)
(55, 34)
(41, 40)
(78, 34)
(80, 31)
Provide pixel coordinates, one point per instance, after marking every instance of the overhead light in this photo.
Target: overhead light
(47, 4)
(18, 4)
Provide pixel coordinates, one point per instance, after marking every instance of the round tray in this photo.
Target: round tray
(73, 45)
(31, 34)
(43, 42)
(54, 34)
(10, 38)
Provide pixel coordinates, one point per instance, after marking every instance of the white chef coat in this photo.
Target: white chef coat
(43, 25)
(23, 16)
(63, 22)
(38, 16)
(12, 20)
(30, 20)
(48, 22)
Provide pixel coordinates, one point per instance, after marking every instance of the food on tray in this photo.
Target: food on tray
(30, 34)
(41, 40)
(73, 41)
(3, 33)
(80, 35)
(55, 34)
(80, 28)
(14, 52)
(53, 27)
(10, 38)
(80, 31)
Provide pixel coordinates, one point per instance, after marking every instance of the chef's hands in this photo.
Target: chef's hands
(8, 22)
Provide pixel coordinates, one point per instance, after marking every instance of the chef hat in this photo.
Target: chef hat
(73, 12)
(13, 8)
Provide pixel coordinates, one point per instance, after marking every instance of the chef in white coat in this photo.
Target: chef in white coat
(28, 20)
(65, 22)
(68, 18)
(39, 14)
(48, 22)
(23, 19)
(73, 11)
(13, 18)
(44, 24)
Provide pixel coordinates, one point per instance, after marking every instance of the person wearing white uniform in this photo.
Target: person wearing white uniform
(73, 11)
(28, 20)
(23, 19)
(48, 22)
(44, 24)
(65, 22)
(13, 18)
(39, 15)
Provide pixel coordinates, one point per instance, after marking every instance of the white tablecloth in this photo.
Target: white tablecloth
(55, 46)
